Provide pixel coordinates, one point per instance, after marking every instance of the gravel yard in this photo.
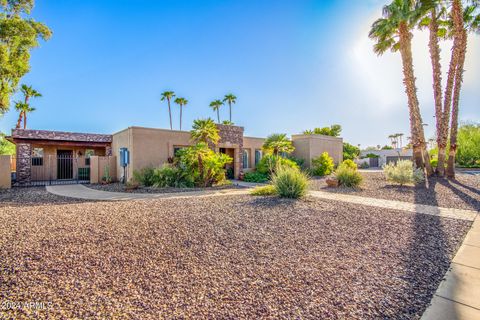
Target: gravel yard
(119, 187)
(222, 257)
(464, 193)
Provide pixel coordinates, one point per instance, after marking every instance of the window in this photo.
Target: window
(88, 154)
(245, 159)
(258, 156)
(176, 149)
(37, 157)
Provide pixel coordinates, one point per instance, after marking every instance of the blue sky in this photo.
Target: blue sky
(292, 64)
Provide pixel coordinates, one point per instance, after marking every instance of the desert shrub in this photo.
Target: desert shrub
(468, 141)
(255, 176)
(364, 165)
(201, 164)
(350, 164)
(290, 182)
(322, 165)
(171, 176)
(268, 190)
(299, 161)
(403, 172)
(144, 176)
(372, 155)
(350, 151)
(348, 176)
(270, 162)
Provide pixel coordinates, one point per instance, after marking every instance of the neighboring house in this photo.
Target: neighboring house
(384, 156)
(48, 157)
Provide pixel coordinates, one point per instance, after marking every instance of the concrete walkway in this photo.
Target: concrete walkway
(458, 296)
(81, 192)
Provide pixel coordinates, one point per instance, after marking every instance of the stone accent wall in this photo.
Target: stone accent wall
(108, 151)
(60, 136)
(233, 135)
(24, 162)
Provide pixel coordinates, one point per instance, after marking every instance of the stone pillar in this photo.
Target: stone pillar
(5, 172)
(24, 162)
(108, 151)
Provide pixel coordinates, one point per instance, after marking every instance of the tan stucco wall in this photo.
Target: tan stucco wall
(251, 144)
(122, 139)
(98, 167)
(311, 146)
(5, 172)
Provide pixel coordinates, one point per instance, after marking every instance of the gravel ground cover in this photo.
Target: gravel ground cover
(222, 257)
(463, 193)
(119, 187)
(31, 196)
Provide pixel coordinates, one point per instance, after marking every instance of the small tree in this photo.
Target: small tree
(322, 165)
(278, 143)
(205, 130)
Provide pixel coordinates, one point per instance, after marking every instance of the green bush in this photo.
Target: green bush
(350, 164)
(468, 141)
(255, 176)
(348, 176)
(434, 162)
(144, 176)
(204, 166)
(322, 165)
(171, 176)
(290, 182)
(403, 172)
(268, 190)
(364, 165)
(299, 161)
(350, 151)
(270, 162)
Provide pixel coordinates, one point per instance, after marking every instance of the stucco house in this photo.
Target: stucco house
(46, 157)
(384, 156)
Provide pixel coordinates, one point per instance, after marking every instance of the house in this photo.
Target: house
(46, 157)
(384, 156)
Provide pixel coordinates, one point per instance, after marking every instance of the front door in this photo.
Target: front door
(64, 164)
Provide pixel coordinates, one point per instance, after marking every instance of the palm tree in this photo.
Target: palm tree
(393, 32)
(205, 130)
(168, 95)
(463, 22)
(278, 143)
(215, 105)
(181, 102)
(24, 108)
(230, 99)
(28, 92)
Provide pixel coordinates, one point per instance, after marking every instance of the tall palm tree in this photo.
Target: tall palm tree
(215, 105)
(181, 102)
(28, 92)
(463, 22)
(278, 143)
(205, 130)
(24, 108)
(168, 95)
(230, 99)
(394, 32)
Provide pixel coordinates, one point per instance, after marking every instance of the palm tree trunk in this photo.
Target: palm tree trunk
(24, 120)
(218, 115)
(420, 154)
(442, 145)
(455, 105)
(170, 114)
(230, 110)
(19, 121)
(434, 49)
(181, 117)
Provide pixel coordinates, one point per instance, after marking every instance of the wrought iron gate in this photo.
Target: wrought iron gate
(64, 168)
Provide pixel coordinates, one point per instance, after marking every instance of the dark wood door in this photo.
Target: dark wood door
(64, 164)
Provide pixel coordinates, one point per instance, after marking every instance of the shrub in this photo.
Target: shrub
(372, 155)
(347, 176)
(403, 172)
(202, 164)
(255, 176)
(299, 161)
(171, 176)
(364, 165)
(350, 164)
(270, 162)
(322, 165)
(268, 190)
(350, 151)
(290, 182)
(434, 162)
(144, 176)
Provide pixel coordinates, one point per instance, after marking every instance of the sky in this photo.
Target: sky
(293, 65)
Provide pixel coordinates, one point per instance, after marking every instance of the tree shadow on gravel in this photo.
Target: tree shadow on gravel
(427, 261)
(466, 198)
(474, 190)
